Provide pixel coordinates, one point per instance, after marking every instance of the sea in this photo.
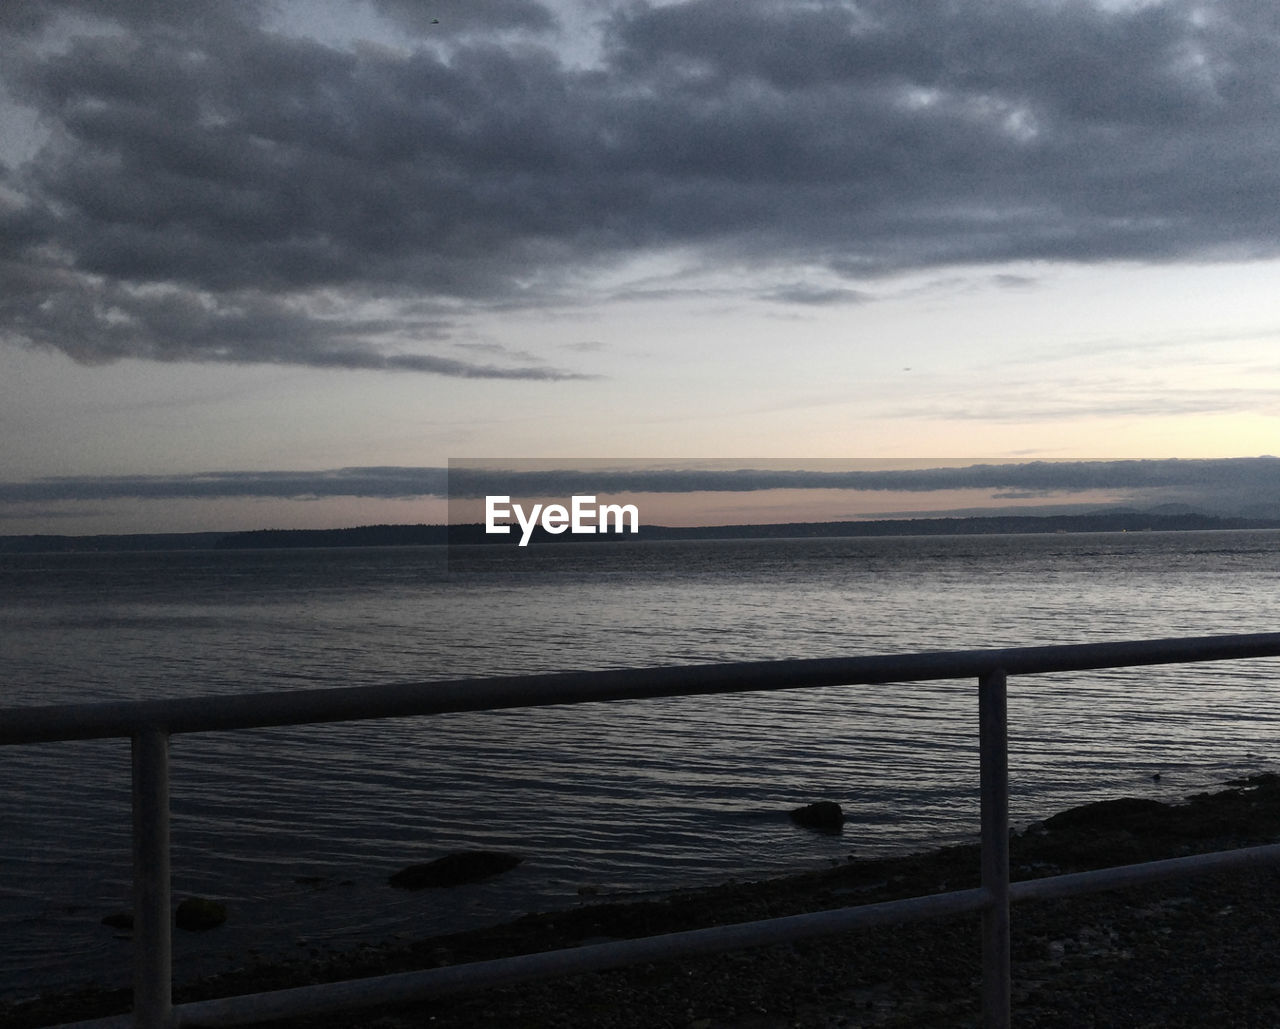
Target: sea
(296, 830)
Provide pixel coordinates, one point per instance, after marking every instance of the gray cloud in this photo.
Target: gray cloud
(1036, 477)
(46, 514)
(386, 483)
(1039, 401)
(215, 181)
(816, 296)
(100, 321)
(1256, 478)
(457, 16)
(1005, 281)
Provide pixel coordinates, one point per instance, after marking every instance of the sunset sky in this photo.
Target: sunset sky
(276, 263)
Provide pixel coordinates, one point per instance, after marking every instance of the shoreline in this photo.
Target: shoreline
(1154, 954)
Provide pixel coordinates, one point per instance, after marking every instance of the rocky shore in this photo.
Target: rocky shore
(1194, 952)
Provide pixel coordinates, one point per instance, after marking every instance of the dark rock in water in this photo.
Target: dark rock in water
(454, 870)
(1132, 829)
(824, 816)
(196, 914)
(1126, 813)
(119, 920)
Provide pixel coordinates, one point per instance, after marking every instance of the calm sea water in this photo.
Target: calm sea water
(297, 829)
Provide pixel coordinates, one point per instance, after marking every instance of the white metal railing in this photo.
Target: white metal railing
(150, 724)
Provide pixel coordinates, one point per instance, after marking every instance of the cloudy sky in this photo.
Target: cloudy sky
(306, 243)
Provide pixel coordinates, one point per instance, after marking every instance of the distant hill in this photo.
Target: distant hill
(43, 544)
(435, 535)
(363, 536)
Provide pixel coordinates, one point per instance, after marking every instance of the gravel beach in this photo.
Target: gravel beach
(1194, 952)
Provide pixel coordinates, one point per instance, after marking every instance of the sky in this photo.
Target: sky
(276, 264)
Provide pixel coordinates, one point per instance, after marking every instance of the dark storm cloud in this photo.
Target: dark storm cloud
(26, 17)
(1254, 479)
(102, 320)
(214, 160)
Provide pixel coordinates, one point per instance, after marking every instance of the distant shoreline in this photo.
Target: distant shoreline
(440, 535)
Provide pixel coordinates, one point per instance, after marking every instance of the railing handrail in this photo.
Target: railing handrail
(150, 723)
(212, 713)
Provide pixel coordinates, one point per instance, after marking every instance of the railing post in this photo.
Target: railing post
(152, 935)
(993, 749)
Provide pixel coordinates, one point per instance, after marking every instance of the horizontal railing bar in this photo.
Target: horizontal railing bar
(1117, 876)
(298, 707)
(410, 986)
(110, 1022)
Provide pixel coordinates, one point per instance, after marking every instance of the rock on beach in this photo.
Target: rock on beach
(196, 914)
(454, 870)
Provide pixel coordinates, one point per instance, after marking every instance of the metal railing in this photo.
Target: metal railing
(150, 724)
